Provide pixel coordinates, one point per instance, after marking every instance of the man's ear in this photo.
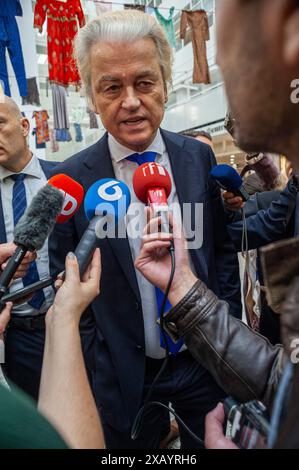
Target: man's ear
(165, 93)
(291, 39)
(25, 127)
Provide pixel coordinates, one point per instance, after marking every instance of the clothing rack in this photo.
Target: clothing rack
(142, 5)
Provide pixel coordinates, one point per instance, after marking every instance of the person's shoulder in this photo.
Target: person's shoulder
(72, 165)
(201, 152)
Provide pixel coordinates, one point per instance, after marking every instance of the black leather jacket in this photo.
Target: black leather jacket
(243, 363)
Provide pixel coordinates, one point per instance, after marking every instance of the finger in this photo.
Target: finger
(153, 225)
(58, 283)
(228, 195)
(71, 268)
(148, 214)
(95, 267)
(157, 236)
(5, 316)
(153, 246)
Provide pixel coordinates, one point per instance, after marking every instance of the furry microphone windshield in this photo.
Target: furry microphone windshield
(39, 218)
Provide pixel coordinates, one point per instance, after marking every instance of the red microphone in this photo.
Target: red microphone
(73, 195)
(152, 185)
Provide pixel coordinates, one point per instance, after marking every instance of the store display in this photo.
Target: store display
(62, 26)
(33, 93)
(10, 41)
(167, 25)
(53, 142)
(198, 23)
(93, 122)
(42, 127)
(78, 130)
(37, 145)
(60, 113)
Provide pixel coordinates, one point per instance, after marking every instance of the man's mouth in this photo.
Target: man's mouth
(134, 121)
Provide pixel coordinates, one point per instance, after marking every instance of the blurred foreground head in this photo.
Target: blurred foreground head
(258, 52)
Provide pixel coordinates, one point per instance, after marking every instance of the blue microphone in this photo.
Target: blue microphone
(106, 201)
(230, 180)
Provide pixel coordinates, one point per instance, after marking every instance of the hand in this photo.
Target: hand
(7, 250)
(74, 295)
(214, 436)
(4, 318)
(232, 202)
(154, 260)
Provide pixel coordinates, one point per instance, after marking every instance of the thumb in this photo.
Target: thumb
(71, 268)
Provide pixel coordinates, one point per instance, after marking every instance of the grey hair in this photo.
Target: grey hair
(121, 26)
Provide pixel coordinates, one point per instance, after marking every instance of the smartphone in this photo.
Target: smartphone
(19, 294)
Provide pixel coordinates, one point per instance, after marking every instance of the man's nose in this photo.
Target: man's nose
(131, 101)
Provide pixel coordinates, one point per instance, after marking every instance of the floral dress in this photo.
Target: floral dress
(62, 27)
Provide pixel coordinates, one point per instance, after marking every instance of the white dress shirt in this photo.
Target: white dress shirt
(34, 180)
(124, 170)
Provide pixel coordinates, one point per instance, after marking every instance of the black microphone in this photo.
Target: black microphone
(33, 229)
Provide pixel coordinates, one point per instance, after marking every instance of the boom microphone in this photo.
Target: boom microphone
(107, 200)
(152, 185)
(230, 180)
(73, 194)
(33, 229)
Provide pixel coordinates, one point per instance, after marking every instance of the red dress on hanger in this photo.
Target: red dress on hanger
(62, 27)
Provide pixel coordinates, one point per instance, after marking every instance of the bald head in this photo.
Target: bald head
(11, 106)
(14, 129)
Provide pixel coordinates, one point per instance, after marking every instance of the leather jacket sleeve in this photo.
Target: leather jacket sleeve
(243, 363)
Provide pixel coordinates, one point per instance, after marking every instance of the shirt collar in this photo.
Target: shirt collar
(31, 169)
(118, 152)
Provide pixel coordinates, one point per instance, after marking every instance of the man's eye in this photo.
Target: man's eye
(145, 84)
(111, 88)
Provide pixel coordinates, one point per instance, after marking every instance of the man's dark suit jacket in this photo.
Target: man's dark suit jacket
(113, 330)
(46, 167)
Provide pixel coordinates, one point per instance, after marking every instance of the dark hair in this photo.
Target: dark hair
(195, 134)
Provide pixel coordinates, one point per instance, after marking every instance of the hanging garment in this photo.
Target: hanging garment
(198, 22)
(33, 93)
(129, 6)
(11, 8)
(167, 25)
(37, 145)
(78, 130)
(42, 127)
(60, 114)
(62, 135)
(53, 142)
(93, 122)
(61, 30)
(10, 40)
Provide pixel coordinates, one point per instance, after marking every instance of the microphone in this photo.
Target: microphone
(152, 185)
(106, 201)
(33, 229)
(230, 180)
(73, 194)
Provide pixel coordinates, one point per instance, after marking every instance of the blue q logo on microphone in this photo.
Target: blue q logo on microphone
(109, 198)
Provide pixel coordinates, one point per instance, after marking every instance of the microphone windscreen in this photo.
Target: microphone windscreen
(149, 176)
(39, 218)
(73, 194)
(107, 197)
(227, 177)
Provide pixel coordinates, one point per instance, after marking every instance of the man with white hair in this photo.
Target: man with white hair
(125, 64)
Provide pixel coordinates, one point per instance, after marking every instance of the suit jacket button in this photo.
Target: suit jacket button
(137, 305)
(139, 347)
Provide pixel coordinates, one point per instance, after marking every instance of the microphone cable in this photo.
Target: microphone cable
(138, 422)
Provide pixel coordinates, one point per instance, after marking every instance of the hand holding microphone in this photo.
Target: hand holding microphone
(230, 180)
(152, 186)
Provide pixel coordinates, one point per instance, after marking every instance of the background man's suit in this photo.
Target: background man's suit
(24, 349)
(113, 330)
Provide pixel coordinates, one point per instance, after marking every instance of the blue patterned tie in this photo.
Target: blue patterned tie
(174, 348)
(19, 204)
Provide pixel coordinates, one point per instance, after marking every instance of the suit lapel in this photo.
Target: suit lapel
(98, 165)
(190, 185)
